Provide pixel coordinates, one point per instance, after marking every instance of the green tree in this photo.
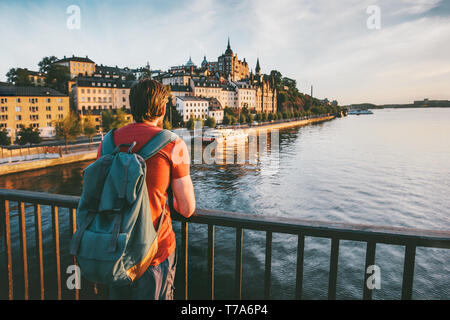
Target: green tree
(113, 119)
(243, 118)
(250, 118)
(57, 77)
(68, 128)
(46, 63)
(264, 116)
(166, 124)
(18, 77)
(89, 129)
(190, 124)
(270, 117)
(210, 122)
(28, 135)
(5, 140)
(258, 117)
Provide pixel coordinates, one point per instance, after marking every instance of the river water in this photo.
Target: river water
(391, 168)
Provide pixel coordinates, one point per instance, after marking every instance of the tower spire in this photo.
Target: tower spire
(258, 68)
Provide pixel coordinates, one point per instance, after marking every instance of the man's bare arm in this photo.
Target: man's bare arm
(183, 196)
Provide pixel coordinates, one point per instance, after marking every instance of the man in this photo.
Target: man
(169, 167)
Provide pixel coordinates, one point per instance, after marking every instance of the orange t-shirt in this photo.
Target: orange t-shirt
(160, 171)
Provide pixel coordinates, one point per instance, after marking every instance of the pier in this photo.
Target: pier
(14, 202)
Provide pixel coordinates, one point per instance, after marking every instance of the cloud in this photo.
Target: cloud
(322, 42)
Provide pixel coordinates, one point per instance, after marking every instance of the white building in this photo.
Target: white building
(192, 107)
(199, 108)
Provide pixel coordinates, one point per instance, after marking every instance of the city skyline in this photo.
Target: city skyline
(318, 43)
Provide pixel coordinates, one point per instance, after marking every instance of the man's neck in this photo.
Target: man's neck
(153, 123)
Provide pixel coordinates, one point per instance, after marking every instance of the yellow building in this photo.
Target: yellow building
(101, 93)
(36, 78)
(78, 66)
(37, 107)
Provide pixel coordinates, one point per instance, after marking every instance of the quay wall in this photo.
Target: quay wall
(39, 164)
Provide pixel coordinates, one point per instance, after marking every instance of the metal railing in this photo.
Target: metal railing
(372, 235)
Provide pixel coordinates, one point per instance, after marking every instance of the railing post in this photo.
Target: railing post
(370, 261)
(300, 258)
(184, 246)
(7, 230)
(211, 230)
(238, 270)
(73, 228)
(268, 267)
(23, 246)
(55, 225)
(39, 249)
(332, 282)
(408, 271)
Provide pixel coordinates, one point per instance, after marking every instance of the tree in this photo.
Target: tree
(258, 117)
(166, 124)
(46, 63)
(68, 128)
(210, 122)
(250, 118)
(57, 77)
(28, 135)
(5, 140)
(19, 77)
(113, 119)
(89, 129)
(242, 118)
(190, 124)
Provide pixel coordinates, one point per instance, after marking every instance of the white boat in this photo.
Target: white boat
(359, 111)
(224, 135)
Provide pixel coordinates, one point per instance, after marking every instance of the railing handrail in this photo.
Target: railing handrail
(327, 229)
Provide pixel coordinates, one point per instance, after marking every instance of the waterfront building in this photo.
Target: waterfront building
(215, 110)
(101, 93)
(432, 103)
(37, 107)
(245, 95)
(78, 66)
(192, 107)
(265, 92)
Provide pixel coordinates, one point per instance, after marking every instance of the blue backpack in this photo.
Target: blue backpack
(115, 241)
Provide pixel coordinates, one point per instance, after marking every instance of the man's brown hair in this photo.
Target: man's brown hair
(147, 100)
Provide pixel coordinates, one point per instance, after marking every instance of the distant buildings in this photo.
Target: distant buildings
(432, 103)
(197, 91)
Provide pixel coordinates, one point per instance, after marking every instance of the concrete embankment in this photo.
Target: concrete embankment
(39, 164)
(295, 123)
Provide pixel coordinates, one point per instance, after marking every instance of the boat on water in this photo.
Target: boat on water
(223, 135)
(359, 111)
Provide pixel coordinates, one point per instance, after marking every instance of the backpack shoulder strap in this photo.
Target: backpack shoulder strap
(155, 144)
(108, 145)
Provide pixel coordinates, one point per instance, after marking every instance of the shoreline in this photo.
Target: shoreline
(6, 169)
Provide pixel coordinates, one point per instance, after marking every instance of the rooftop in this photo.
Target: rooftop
(13, 91)
(192, 98)
(73, 58)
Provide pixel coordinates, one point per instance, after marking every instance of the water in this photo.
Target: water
(391, 168)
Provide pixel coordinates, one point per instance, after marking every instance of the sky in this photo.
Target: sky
(354, 51)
